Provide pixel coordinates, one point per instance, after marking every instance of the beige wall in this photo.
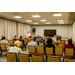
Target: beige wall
(65, 31)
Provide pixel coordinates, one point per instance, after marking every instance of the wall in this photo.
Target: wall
(74, 31)
(65, 31)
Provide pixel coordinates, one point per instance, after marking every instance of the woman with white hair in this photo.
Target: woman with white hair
(16, 48)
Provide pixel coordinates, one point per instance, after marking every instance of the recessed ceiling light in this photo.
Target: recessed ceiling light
(28, 20)
(60, 20)
(57, 14)
(43, 20)
(17, 17)
(48, 23)
(35, 23)
(35, 16)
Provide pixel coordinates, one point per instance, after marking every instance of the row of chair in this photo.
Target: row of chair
(12, 57)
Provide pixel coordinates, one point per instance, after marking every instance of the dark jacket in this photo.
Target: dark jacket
(49, 45)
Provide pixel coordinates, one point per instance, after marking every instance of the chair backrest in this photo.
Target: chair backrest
(49, 50)
(37, 58)
(31, 49)
(29, 41)
(11, 57)
(23, 57)
(64, 41)
(11, 42)
(61, 45)
(69, 51)
(26, 40)
(40, 49)
(59, 51)
(54, 44)
(3, 47)
(41, 44)
(69, 60)
(21, 44)
(53, 59)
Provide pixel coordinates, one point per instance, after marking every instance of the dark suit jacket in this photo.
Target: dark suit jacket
(40, 41)
(49, 45)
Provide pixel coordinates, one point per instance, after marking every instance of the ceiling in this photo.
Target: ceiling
(67, 17)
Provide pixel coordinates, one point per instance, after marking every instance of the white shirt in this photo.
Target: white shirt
(27, 36)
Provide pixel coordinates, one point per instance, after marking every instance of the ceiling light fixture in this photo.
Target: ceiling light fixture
(35, 16)
(28, 20)
(43, 20)
(48, 23)
(17, 17)
(57, 14)
(60, 20)
(35, 23)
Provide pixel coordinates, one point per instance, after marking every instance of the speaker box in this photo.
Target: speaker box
(34, 29)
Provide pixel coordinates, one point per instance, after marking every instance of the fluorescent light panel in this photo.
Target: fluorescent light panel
(43, 20)
(17, 17)
(35, 23)
(35, 16)
(57, 14)
(60, 20)
(28, 20)
(48, 23)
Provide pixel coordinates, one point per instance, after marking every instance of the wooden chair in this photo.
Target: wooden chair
(53, 59)
(59, 51)
(69, 52)
(69, 60)
(3, 47)
(64, 41)
(41, 44)
(61, 45)
(31, 49)
(11, 57)
(11, 42)
(40, 49)
(49, 50)
(37, 58)
(23, 57)
(21, 44)
(54, 44)
(26, 40)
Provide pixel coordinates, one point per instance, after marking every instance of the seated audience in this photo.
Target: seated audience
(15, 38)
(28, 34)
(44, 38)
(71, 39)
(16, 48)
(54, 38)
(69, 45)
(37, 37)
(32, 43)
(59, 38)
(2, 37)
(49, 44)
(40, 41)
(4, 41)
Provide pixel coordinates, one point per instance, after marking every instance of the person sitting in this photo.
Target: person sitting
(37, 37)
(32, 43)
(2, 37)
(21, 40)
(69, 45)
(28, 34)
(16, 48)
(54, 38)
(40, 41)
(4, 41)
(49, 44)
(44, 38)
(15, 38)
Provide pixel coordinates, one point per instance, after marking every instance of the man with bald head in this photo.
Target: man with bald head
(32, 43)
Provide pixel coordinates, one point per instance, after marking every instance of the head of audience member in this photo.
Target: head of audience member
(15, 36)
(49, 40)
(40, 38)
(54, 35)
(21, 38)
(4, 38)
(27, 32)
(32, 39)
(47, 37)
(69, 41)
(44, 35)
(38, 35)
(70, 38)
(17, 43)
